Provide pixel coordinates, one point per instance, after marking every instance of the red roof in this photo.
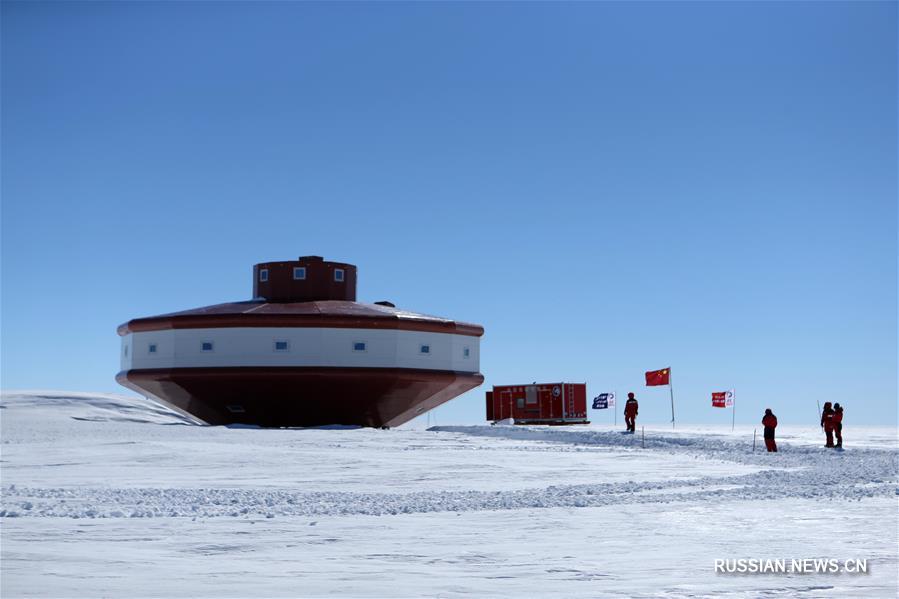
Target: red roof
(326, 313)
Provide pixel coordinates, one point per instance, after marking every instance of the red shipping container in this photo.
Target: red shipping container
(546, 403)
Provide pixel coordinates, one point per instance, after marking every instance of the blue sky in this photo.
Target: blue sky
(608, 188)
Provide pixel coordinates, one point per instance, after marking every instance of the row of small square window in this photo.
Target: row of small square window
(299, 274)
(284, 346)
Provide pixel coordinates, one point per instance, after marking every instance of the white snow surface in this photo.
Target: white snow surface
(113, 496)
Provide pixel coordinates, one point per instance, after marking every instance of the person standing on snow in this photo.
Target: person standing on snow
(630, 412)
(838, 423)
(769, 421)
(827, 423)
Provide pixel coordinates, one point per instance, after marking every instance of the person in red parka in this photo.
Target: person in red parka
(838, 423)
(630, 412)
(827, 423)
(769, 421)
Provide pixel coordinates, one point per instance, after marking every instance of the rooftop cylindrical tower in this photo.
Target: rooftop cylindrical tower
(308, 279)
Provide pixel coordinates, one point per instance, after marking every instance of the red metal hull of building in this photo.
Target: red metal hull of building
(297, 397)
(546, 403)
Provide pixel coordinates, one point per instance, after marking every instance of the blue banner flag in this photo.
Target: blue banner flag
(604, 401)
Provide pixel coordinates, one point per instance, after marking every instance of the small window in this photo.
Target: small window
(425, 349)
(263, 275)
(466, 353)
(282, 345)
(206, 346)
(338, 275)
(359, 346)
(126, 351)
(299, 273)
(519, 402)
(236, 409)
(151, 348)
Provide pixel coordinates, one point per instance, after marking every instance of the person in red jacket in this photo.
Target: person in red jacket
(838, 423)
(827, 423)
(630, 412)
(769, 421)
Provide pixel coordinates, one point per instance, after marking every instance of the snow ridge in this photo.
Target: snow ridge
(93, 407)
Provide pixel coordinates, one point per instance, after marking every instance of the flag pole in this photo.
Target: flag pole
(615, 409)
(671, 390)
(733, 420)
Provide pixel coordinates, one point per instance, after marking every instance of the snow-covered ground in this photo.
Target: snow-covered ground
(107, 495)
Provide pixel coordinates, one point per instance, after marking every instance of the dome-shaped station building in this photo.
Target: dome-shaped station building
(303, 352)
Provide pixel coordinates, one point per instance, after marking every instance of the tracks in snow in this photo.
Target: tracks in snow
(796, 472)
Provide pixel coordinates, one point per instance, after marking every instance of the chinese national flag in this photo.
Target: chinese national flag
(658, 377)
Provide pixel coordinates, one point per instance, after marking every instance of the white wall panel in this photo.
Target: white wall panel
(254, 346)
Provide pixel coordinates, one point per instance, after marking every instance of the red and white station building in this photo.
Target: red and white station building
(303, 352)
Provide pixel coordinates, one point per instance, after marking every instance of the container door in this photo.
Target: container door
(532, 402)
(549, 405)
(505, 404)
(546, 402)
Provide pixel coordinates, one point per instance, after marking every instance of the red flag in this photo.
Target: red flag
(658, 377)
(719, 400)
